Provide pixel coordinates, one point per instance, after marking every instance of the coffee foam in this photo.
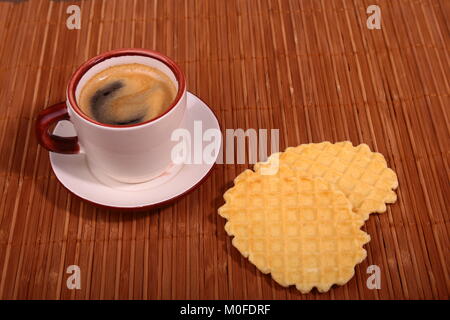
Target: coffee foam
(127, 94)
(126, 59)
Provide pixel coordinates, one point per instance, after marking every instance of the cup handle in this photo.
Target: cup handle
(51, 142)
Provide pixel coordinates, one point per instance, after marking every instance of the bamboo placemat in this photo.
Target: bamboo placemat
(310, 68)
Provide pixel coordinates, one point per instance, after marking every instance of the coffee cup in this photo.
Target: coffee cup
(131, 152)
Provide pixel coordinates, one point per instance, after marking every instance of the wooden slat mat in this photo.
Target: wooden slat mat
(310, 68)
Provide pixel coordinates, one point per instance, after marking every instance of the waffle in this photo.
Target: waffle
(362, 175)
(301, 230)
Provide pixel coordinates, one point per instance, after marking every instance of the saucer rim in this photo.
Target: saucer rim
(153, 205)
(146, 207)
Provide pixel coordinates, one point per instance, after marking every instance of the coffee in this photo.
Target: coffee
(127, 94)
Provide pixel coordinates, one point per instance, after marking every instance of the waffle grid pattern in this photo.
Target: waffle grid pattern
(361, 174)
(300, 230)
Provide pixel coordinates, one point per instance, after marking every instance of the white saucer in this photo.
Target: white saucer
(73, 172)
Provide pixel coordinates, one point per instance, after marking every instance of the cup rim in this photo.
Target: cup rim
(83, 68)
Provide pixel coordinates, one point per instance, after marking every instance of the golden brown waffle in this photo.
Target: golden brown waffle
(361, 174)
(301, 230)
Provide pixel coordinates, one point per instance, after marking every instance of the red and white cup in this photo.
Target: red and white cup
(130, 153)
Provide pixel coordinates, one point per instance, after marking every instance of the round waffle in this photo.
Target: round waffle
(301, 230)
(362, 175)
